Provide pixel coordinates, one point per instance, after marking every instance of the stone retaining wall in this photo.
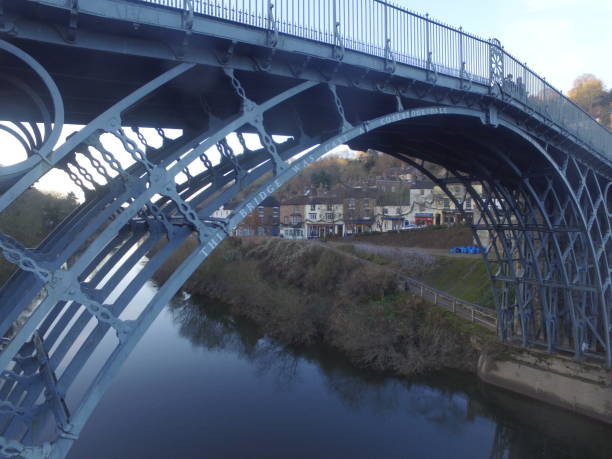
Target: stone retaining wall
(580, 387)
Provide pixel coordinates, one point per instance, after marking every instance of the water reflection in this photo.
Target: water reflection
(520, 428)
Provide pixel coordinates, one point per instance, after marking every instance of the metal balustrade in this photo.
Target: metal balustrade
(400, 36)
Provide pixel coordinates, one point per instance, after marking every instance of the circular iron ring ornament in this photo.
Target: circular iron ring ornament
(496, 62)
(36, 146)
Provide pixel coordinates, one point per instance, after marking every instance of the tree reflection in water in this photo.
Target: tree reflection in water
(524, 428)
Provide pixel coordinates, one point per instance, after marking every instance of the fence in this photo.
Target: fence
(465, 309)
(398, 35)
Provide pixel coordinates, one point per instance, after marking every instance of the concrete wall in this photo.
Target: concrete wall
(580, 387)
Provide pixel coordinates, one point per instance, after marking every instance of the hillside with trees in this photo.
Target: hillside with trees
(590, 93)
(31, 217)
(332, 171)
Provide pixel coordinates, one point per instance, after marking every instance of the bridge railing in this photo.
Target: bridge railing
(382, 29)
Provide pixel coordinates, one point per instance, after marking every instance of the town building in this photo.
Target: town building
(446, 211)
(391, 217)
(223, 212)
(359, 207)
(263, 221)
(421, 200)
(390, 184)
(323, 216)
(292, 217)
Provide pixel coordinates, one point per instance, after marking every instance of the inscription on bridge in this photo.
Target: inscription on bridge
(252, 204)
(414, 113)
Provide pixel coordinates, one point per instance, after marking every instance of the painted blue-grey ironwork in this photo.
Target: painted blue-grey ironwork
(175, 108)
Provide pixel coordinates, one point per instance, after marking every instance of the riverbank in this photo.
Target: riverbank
(302, 293)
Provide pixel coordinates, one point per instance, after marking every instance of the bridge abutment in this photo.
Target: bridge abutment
(581, 387)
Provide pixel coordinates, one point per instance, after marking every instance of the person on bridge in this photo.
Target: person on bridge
(509, 84)
(520, 87)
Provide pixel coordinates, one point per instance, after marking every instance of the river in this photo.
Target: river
(201, 384)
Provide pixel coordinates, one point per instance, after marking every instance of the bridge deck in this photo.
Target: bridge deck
(370, 34)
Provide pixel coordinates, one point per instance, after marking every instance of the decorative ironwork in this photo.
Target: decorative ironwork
(36, 143)
(496, 63)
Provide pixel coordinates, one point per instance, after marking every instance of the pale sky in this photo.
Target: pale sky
(558, 39)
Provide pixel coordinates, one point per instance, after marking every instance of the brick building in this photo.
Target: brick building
(359, 207)
(292, 217)
(263, 221)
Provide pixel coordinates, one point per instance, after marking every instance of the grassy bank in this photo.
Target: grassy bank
(301, 293)
(433, 237)
(463, 277)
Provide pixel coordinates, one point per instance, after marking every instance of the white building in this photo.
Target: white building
(421, 199)
(323, 216)
(292, 233)
(222, 212)
(391, 217)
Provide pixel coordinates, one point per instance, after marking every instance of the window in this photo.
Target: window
(366, 204)
(329, 216)
(392, 189)
(446, 203)
(398, 211)
(296, 219)
(385, 211)
(422, 191)
(313, 207)
(296, 209)
(286, 219)
(351, 204)
(312, 215)
(261, 211)
(261, 231)
(468, 203)
(330, 207)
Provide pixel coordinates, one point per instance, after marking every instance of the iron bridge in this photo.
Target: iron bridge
(161, 111)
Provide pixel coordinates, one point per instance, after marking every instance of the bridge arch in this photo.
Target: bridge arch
(73, 279)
